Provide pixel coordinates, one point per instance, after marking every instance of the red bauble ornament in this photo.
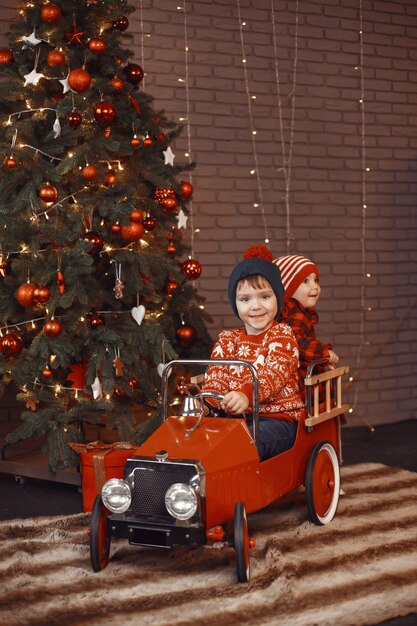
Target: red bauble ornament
(74, 119)
(47, 373)
(169, 205)
(55, 57)
(116, 228)
(89, 172)
(50, 13)
(95, 319)
(186, 189)
(134, 73)
(121, 23)
(136, 216)
(149, 223)
(52, 328)
(11, 345)
(186, 335)
(135, 141)
(6, 56)
(110, 178)
(171, 248)
(104, 113)
(117, 84)
(97, 45)
(25, 294)
(10, 162)
(133, 232)
(41, 294)
(147, 142)
(48, 193)
(160, 137)
(163, 192)
(191, 269)
(79, 80)
(181, 383)
(95, 239)
(172, 285)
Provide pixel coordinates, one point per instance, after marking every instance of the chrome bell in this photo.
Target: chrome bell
(192, 404)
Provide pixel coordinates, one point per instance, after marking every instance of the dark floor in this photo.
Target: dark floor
(392, 444)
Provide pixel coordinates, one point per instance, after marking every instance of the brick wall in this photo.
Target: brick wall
(325, 214)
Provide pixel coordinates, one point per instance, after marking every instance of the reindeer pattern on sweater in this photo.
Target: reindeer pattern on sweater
(274, 354)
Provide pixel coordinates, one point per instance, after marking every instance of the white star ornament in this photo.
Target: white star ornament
(32, 40)
(182, 219)
(32, 78)
(169, 156)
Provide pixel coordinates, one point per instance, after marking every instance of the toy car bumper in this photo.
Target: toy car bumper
(155, 535)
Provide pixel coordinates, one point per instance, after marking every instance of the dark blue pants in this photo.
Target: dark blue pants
(275, 436)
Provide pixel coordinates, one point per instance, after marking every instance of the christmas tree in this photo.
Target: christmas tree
(96, 288)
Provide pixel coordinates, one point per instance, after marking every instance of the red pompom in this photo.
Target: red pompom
(258, 252)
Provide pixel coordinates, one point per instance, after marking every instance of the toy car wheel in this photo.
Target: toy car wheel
(322, 483)
(100, 538)
(241, 541)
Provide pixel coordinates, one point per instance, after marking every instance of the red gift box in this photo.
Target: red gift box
(100, 462)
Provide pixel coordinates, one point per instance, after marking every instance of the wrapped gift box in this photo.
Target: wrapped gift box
(100, 462)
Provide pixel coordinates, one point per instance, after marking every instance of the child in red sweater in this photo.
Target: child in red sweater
(300, 278)
(255, 293)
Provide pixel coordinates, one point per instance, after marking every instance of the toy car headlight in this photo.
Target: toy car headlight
(116, 495)
(181, 501)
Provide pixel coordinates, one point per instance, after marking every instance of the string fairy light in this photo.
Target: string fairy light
(286, 155)
(142, 46)
(188, 121)
(365, 275)
(255, 171)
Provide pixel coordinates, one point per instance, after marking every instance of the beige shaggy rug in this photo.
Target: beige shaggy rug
(360, 569)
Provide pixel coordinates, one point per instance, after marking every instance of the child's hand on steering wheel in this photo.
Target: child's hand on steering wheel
(235, 402)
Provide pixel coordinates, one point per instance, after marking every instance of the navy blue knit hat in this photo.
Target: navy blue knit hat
(253, 267)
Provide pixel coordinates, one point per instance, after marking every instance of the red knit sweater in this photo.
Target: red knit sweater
(274, 353)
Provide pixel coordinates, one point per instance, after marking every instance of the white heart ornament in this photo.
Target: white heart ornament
(160, 369)
(138, 313)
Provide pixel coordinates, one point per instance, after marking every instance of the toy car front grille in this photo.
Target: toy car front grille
(151, 481)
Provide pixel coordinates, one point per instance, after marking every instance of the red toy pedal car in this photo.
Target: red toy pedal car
(196, 477)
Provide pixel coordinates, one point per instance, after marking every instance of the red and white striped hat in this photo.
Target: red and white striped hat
(294, 269)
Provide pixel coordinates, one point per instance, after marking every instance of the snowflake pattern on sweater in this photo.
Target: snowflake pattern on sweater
(274, 353)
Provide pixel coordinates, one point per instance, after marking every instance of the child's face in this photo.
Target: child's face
(257, 306)
(308, 292)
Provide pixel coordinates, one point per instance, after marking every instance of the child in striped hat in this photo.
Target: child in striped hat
(300, 278)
